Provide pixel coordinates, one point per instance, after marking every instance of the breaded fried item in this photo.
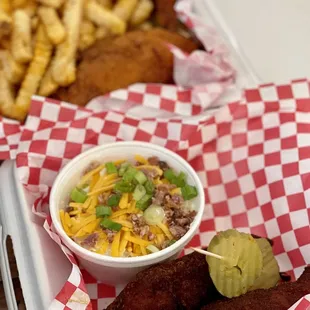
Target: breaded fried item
(181, 284)
(165, 14)
(110, 64)
(280, 297)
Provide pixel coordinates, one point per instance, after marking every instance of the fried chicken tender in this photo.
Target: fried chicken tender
(165, 14)
(280, 297)
(113, 63)
(181, 284)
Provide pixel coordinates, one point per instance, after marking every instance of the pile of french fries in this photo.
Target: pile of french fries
(40, 39)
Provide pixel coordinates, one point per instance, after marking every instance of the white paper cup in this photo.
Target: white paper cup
(120, 270)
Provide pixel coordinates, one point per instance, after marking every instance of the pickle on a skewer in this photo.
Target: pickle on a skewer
(270, 275)
(240, 266)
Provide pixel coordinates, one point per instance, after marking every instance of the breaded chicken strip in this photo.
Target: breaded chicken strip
(110, 64)
(181, 284)
(280, 297)
(165, 15)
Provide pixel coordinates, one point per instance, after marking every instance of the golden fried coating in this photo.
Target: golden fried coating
(110, 64)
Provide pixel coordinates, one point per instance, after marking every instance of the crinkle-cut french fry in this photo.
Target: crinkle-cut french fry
(42, 55)
(48, 85)
(31, 7)
(5, 24)
(145, 26)
(63, 67)
(53, 26)
(21, 37)
(101, 33)
(108, 4)
(104, 17)
(6, 6)
(87, 34)
(56, 4)
(142, 12)
(18, 3)
(34, 23)
(6, 95)
(124, 9)
(13, 70)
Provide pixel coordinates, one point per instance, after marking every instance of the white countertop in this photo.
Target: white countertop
(274, 35)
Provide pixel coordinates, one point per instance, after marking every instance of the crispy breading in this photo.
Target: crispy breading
(66, 51)
(165, 14)
(21, 37)
(13, 71)
(104, 17)
(181, 284)
(280, 297)
(42, 55)
(124, 9)
(113, 63)
(142, 12)
(56, 4)
(53, 26)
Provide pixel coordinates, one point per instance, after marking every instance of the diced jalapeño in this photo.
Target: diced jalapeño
(102, 211)
(78, 195)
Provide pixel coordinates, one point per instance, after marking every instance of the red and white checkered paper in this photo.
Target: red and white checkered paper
(251, 155)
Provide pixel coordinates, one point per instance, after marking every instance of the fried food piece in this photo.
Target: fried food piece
(124, 9)
(42, 55)
(6, 93)
(142, 12)
(21, 37)
(103, 17)
(181, 284)
(5, 24)
(48, 85)
(6, 6)
(53, 26)
(101, 33)
(66, 51)
(34, 23)
(106, 3)
(87, 35)
(18, 3)
(280, 297)
(165, 14)
(13, 71)
(56, 4)
(30, 8)
(114, 63)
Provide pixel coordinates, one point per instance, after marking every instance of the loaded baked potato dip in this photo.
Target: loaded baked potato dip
(128, 209)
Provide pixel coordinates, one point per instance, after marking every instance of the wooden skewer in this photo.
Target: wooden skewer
(207, 253)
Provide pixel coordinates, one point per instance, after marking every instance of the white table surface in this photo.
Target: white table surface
(274, 35)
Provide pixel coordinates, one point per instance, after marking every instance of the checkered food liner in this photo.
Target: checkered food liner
(251, 155)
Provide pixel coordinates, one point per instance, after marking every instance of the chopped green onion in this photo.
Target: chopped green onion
(111, 168)
(124, 187)
(171, 242)
(106, 223)
(144, 202)
(102, 211)
(152, 248)
(129, 174)
(140, 177)
(149, 187)
(180, 180)
(189, 192)
(169, 175)
(139, 192)
(123, 168)
(113, 200)
(78, 195)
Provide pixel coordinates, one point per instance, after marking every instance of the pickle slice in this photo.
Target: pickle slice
(241, 265)
(270, 275)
